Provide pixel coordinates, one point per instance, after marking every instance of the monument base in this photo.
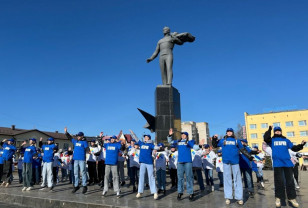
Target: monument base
(168, 112)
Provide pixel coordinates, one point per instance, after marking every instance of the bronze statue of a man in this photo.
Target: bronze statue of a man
(165, 48)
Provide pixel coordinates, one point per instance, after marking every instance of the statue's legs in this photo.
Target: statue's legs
(163, 68)
(169, 64)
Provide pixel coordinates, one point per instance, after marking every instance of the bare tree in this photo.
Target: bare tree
(239, 131)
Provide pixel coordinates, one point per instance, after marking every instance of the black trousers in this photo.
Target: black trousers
(134, 175)
(7, 170)
(280, 187)
(92, 172)
(174, 177)
(1, 171)
(295, 172)
(101, 171)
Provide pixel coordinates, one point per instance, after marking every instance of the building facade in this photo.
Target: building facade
(293, 124)
(198, 131)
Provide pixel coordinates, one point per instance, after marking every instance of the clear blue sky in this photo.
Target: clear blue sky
(82, 64)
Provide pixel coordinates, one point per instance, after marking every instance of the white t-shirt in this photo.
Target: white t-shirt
(219, 164)
(197, 161)
(173, 159)
(161, 159)
(91, 156)
(134, 157)
(208, 160)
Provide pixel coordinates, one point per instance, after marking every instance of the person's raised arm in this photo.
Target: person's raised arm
(68, 136)
(154, 55)
(214, 141)
(177, 41)
(41, 142)
(169, 137)
(267, 135)
(298, 147)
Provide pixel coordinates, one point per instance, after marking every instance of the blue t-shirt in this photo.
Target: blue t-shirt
(184, 150)
(1, 158)
(37, 162)
(48, 150)
(146, 152)
(8, 151)
(112, 151)
(79, 149)
(280, 152)
(245, 163)
(230, 150)
(29, 152)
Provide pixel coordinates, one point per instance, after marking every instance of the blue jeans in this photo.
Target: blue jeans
(20, 175)
(247, 176)
(200, 179)
(187, 168)
(161, 179)
(150, 170)
(209, 176)
(80, 164)
(230, 169)
(221, 178)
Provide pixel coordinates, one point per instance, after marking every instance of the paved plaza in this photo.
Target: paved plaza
(62, 197)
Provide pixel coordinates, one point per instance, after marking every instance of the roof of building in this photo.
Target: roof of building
(284, 111)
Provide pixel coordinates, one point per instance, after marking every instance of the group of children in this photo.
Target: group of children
(102, 162)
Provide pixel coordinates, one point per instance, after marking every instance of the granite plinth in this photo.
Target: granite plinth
(167, 112)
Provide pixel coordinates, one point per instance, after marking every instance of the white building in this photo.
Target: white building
(198, 131)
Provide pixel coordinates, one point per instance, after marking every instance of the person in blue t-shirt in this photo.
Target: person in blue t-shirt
(79, 156)
(113, 149)
(36, 168)
(29, 152)
(282, 164)
(1, 162)
(231, 148)
(184, 146)
(8, 151)
(49, 150)
(146, 164)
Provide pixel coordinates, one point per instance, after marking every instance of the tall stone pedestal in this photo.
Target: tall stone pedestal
(167, 112)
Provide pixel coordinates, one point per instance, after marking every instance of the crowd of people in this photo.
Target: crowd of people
(102, 162)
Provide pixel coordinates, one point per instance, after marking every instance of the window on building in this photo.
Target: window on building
(303, 133)
(264, 125)
(302, 123)
(276, 124)
(65, 146)
(253, 126)
(289, 123)
(290, 134)
(254, 136)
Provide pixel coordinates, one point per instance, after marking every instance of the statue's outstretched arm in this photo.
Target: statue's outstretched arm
(154, 55)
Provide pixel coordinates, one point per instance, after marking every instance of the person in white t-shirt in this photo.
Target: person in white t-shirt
(134, 153)
(197, 165)
(160, 164)
(173, 160)
(208, 164)
(219, 168)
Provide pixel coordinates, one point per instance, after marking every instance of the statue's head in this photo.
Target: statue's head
(166, 30)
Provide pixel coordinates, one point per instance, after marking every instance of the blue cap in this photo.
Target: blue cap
(172, 146)
(206, 145)
(186, 133)
(11, 140)
(33, 139)
(80, 134)
(108, 138)
(133, 140)
(230, 129)
(160, 145)
(219, 151)
(256, 147)
(93, 140)
(113, 137)
(277, 128)
(147, 136)
(244, 140)
(50, 139)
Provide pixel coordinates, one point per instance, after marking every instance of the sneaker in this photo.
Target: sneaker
(24, 188)
(179, 196)
(75, 189)
(221, 185)
(104, 193)
(134, 189)
(7, 185)
(29, 189)
(240, 202)
(227, 201)
(294, 203)
(297, 187)
(251, 194)
(155, 196)
(164, 191)
(84, 190)
(42, 188)
(50, 188)
(122, 183)
(3, 183)
(262, 184)
(213, 188)
(118, 194)
(159, 191)
(277, 202)
(138, 195)
(191, 197)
